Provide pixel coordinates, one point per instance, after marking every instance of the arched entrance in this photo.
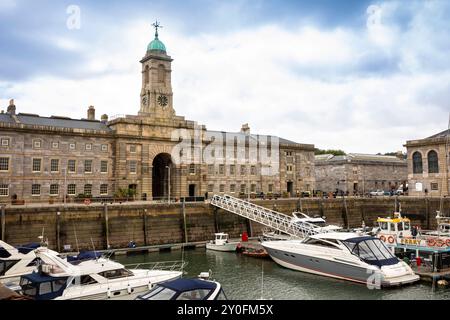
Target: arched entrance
(162, 164)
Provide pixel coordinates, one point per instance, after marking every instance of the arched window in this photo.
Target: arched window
(147, 74)
(433, 163)
(417, 162)
(161, 73)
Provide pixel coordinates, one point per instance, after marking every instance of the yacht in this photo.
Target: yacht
(343, 255)
(16, 262)
(186, 289)
(98, 279)
(221, 243)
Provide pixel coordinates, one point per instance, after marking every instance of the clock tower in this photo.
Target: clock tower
(156, 92)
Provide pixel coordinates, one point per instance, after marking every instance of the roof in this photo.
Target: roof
(255, 136)
(63, 122)
(189, 284)
(37, 277)
(358, 157)
(439, 135)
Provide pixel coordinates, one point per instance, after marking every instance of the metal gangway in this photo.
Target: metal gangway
(269, 218)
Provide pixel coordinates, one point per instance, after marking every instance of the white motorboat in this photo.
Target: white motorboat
(343, 255)
(14, 264)
(221, 243)
(98, 279)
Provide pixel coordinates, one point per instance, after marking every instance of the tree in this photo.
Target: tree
(330, 151)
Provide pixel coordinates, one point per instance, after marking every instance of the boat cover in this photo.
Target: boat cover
(181, 285)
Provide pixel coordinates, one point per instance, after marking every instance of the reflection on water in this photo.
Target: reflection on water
(241, 277)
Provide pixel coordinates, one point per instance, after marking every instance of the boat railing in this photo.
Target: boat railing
(178, 265)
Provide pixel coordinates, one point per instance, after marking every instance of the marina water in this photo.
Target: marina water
(241, 278)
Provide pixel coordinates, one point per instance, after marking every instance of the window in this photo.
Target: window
(114, 274)
(197, 294)
(433, 163)
(72, 146)
(270, 187)
(103, 189)
(132, 149)
(253, 170)
(222, 188)
(37, 163)
(5, 142)
(253, 188)
(88, 146)
(88, 189)
(289, 168)
(192, 168)
(104, 167)
(232, 188)
(243, 170)
(55, 145)
(54, 165)
(71, 165)
(210, 188)
(242, 188)
(88, 166)
(4, 164)
(104, 147)
(434, 186)
(232, 169)
(222, 169)
(210, 169)
(417, 162)
(289, 153)
(36, 190)
(133, 167)
(71, 189)
(37, 144)
(4, 190)
(54, 189)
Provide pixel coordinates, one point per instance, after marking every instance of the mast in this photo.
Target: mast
(446, 176)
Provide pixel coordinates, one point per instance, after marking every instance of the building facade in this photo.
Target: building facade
(428, 165)
(154, 154)
(359, 173)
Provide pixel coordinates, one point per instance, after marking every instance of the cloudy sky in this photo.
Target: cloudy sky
(363, 76)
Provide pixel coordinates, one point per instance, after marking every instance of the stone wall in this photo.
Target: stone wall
(83, 226)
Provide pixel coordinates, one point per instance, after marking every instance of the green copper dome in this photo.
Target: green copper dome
(156, 45)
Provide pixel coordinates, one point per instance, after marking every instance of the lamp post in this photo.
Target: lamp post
(168, 185)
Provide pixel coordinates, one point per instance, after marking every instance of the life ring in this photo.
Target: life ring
(440, 243)
(431, 242)
(391, 239)
(383, 238)
(87, 202)
(447, 242)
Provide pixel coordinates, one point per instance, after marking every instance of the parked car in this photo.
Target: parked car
(377, 193)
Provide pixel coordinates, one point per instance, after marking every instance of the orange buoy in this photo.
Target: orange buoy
(391, 239)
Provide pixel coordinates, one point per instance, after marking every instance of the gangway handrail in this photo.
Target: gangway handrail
(267, 217)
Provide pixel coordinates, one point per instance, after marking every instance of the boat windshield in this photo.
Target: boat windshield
(159, 293)
(41, 287)
(371, 250)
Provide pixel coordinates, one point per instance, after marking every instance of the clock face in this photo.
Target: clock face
(163, 101)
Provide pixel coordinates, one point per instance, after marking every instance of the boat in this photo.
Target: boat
(186, 289)
(343, 255)
(15, 262)
(255, 253)
(98, 279)
(221, 243)
(315, 224)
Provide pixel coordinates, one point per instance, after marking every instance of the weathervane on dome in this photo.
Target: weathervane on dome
(156, 25)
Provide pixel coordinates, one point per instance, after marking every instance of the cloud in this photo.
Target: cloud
(359, 89)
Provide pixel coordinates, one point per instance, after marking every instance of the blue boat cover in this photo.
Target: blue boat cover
(83, 256)
(182, 285)
(28, 247)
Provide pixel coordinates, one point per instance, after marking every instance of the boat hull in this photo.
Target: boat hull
(335, 268)
(227, 247)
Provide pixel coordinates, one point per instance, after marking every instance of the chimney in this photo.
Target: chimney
(11, 108)
(91, 113)
(245, 129)
(104, 118)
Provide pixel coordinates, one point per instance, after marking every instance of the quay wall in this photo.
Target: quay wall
(114, 225)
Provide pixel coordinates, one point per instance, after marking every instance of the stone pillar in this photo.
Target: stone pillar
(3, 222)
(58, 231)
(145, 227)
(105, 210)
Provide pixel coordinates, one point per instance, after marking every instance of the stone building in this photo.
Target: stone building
(428, 165)
(359, 173)
(154, 153)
